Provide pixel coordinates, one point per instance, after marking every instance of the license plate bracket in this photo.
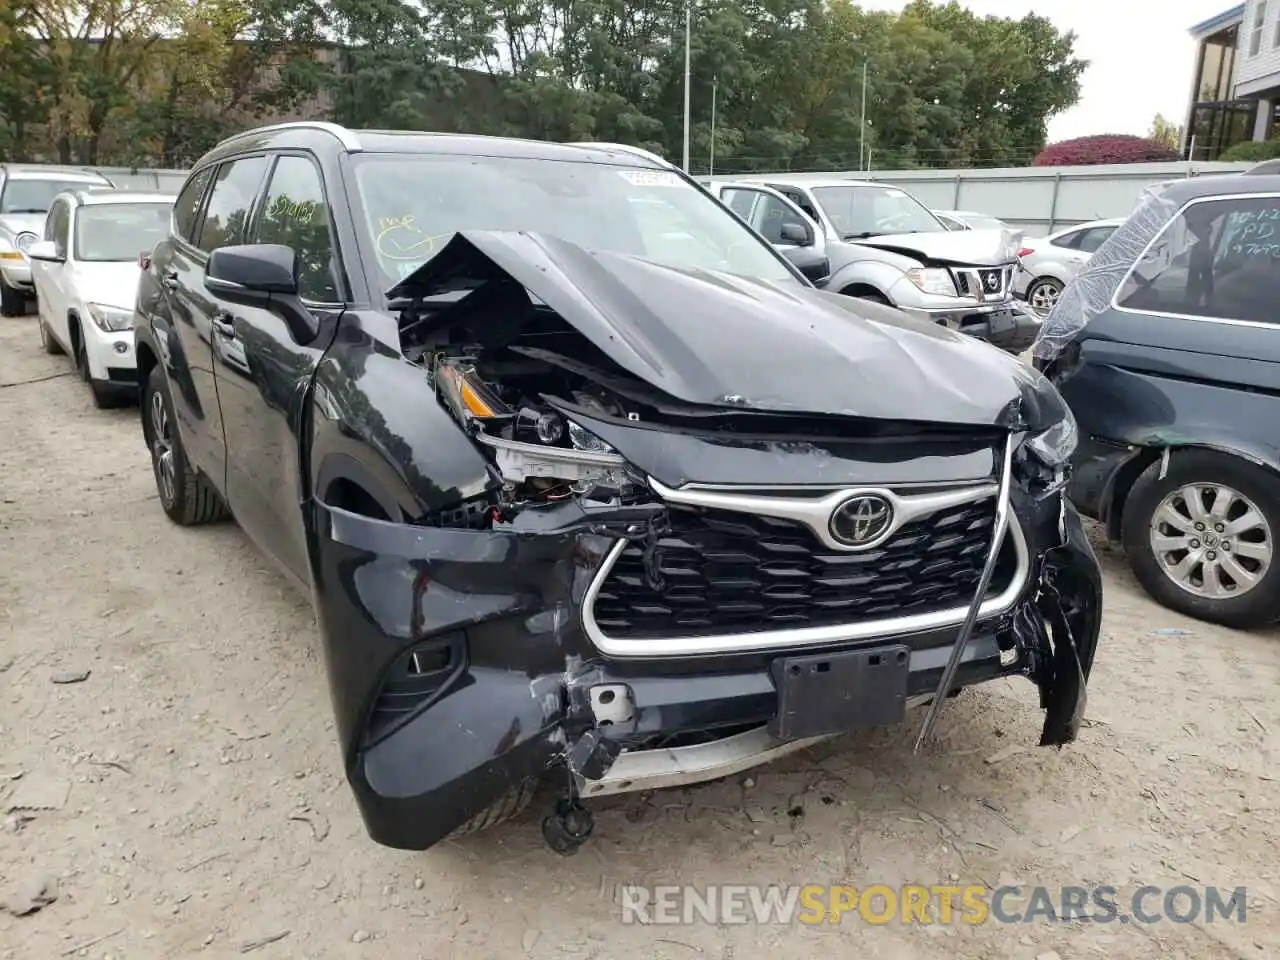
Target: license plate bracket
(1001, 321)
(820, 694)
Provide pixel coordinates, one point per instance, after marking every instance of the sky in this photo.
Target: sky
(1141, 54)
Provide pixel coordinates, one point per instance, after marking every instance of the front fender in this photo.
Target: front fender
(375, 422)
(868, 273)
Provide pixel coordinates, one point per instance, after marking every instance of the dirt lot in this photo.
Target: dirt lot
(197, 807)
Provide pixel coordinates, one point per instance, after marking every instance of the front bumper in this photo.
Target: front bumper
(17, 274)
(111, 356)
(515, 687)
(1010, 325)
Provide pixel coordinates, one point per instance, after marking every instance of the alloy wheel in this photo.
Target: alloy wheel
(1044, 297)
(1211, 540)
(162, 452)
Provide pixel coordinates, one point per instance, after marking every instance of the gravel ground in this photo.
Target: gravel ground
(196, 806)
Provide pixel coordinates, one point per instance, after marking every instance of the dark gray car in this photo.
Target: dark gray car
(1167, 349)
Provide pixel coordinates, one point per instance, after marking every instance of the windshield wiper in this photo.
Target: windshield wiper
(865, 235)
(24, 210)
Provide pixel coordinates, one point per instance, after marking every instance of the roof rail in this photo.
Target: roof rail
(347, 138)
(623, 148)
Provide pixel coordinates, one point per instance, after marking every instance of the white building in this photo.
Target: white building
(1236, 87)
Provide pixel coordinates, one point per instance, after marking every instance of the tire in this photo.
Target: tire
(1200, 581)
(12, 301)
(1047, 290)
(82, 358)
(47, 342)
(186, 496)
(510, 804)
(873, 297)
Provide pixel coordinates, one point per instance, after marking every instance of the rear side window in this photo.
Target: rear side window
(1069, 240)
(226, 218)
(187, 205)
(1094, 237)
(1218, 259)
(295, 214)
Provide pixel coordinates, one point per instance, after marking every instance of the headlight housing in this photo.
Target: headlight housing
(111, 319)
(1044, 459)
(934, 280)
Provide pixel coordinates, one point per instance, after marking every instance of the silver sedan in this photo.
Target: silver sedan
(1047, 264)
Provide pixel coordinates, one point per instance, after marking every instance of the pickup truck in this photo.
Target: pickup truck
(885, 246)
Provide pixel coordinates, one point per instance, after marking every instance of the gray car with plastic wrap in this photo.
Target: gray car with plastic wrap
(1167, 348)
(588, 485)
(885, 246)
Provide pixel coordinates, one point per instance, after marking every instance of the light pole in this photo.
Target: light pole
(711, 172)
(688, 25)
(862, 132)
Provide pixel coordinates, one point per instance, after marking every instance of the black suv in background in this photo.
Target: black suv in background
(1167, 348)
(584, 478)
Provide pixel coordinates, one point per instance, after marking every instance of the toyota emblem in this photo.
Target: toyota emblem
(862, 521)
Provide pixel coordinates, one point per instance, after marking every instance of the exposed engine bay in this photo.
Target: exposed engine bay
(515, 399)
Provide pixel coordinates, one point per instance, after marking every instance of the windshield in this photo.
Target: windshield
(414, 204)
(984, 223)
(35, 196)
(865, 211)
(118, 232)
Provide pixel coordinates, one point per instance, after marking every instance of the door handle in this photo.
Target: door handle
(225, 324)
(170, 280)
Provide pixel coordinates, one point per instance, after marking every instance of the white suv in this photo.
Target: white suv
(86, 276)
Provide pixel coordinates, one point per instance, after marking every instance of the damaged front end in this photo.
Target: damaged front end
(689, 557)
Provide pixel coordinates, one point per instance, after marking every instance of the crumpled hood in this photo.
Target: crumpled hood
(715, 339)
(982, 248)
(12, 224)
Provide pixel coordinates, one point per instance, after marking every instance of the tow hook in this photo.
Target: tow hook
(568, 826)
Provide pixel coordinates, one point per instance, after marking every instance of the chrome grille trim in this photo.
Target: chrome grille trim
(658, 647)
(815, 512)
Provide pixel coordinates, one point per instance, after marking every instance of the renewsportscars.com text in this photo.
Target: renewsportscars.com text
(972, 904)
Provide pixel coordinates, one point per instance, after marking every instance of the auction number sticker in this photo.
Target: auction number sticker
(650, 178)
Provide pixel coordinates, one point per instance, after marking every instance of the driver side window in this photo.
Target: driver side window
(57, 226)
(296, 215)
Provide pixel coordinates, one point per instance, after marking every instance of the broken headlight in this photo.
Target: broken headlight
(1044, 459)
(532, 444)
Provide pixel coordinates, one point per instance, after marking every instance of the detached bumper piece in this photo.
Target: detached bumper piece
(663, 644)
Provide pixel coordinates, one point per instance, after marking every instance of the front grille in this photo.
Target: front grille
(984, 283)
(717, 572)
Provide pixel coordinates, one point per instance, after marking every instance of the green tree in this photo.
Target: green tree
(1166, 132)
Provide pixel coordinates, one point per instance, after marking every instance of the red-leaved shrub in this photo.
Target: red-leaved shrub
(1104, 148)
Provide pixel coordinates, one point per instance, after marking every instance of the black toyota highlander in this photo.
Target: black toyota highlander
(588, 484)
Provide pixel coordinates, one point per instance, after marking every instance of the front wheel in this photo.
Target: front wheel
(186, 496)
(47, 343)
(1202, 538)
(12, 302)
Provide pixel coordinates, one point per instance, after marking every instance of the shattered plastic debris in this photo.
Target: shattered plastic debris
(40, 791)
(1090, 293)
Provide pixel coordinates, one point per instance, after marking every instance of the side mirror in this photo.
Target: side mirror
(251, 274)
(262, 275)
(796, 233)
(45, 250)
(815, 266)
